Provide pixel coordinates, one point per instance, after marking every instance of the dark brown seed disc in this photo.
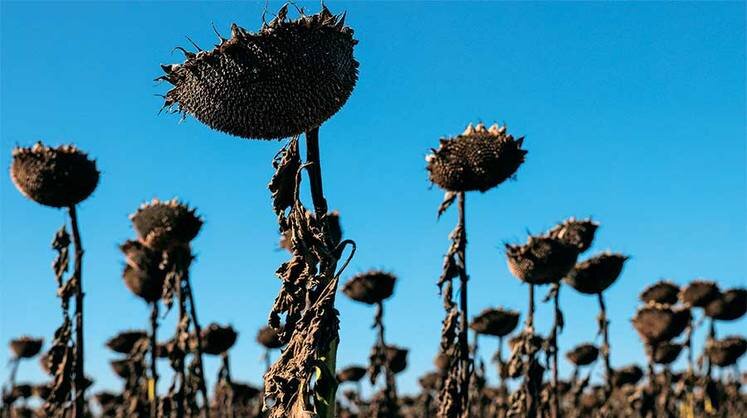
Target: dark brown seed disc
(662, 291)
(161, 225)
(143, 274)
(268, 337)
(666, 353)
(286, 79)
(478, 159)
(729, 306)
(583, 354)
(26, 347)
(217, 339)
(497, 322)
(396, 358)
(541, 260)
(579, 233)
(370, 287)
(727, 351)
(57, 177)
(699, 293)
(596, 274)
(125, 341)
(351, 374)
(628, 375)
(657, 323)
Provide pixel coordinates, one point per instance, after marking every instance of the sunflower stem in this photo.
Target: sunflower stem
(153, 384)
(198, 345)
(604, 325)
(320, 209)
(530, 384)
(466, 367)
(80, 381)
(556, 412)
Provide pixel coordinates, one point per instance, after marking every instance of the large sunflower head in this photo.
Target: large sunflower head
(58, 177)
(479, 158)
(161, 225)
(285, 79)
(596, 274)
(542, 260)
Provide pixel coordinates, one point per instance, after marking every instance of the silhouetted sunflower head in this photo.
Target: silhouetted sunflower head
(286, 79)
(217, 339)
(26, 347)
(541, 260)
(666, 352)
(729, 306)
(662, 291)
(351, 374)
(596, 274)
(269, 338)
(396, 358)
(583, 354)
(479, 159)
(497, 322)
(628, 375)
(57, 177)
(161, 225)
(579, 233)
(699, 293)
(727, 351)
(657, 323)
(370, 287)
(143, 274)
(125, 341)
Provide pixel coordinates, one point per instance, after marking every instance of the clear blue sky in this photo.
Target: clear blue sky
(633, 113)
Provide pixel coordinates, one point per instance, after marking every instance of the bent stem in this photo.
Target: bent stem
(80, 381)
(605, 349)
(464, 318)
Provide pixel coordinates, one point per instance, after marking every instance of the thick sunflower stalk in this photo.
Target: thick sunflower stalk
(305, 370)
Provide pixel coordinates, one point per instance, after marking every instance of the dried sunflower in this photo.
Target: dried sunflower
(542, 260)
(498, 322)
(666, 352)
(26, 347)
(125, 341)
(478, 159)
(628, 375)
(583, 354)
(143, 274)
(657, 323)
(596, 274)
(396, 358)
(727, 351)
(370, 287)
(579, 233)
(268, 337)
(699, 293)
(217, 339)
(662, 291)
(351, 374)
(161, 225)
(56, 177)
(730, 306)
(286, 79)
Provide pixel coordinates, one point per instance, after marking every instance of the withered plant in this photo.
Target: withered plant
(131, 368)
(164, 232)
(592, 277)
(373, 288)
(217, 340)
(478, 159)
(23, 348)
(284, 80)
(61, 177)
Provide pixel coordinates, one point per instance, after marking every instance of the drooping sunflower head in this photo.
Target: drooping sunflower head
(26, 347)
(370, 287)
(699, 293)
(662, 291)
(579, 233)
(729, 306)
(657, 323)
(597, 273)
(58, 177)
(351, 374)
(285, 79)
(217, 339)
(666, 352)
(125, 341)
(269, 338)
(479, 158)
(161, 225)
(542, 260)
(727, 351)
(143, 274)
(583, 354)
(497, 322)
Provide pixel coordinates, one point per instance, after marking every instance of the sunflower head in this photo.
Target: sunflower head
(666, 352)
(285, 79)
(351, 374)
(26, 347)
(662, 291)
(217, 339)
(579, 233)
(583, 354)
(143, 274)
(729, 306)
(57, 177)
(269, 338)
(727, 351)
(161, 225)
(497, 322)
(657, 323)
(699, 293)
(542, 260)
(478, 159)
(370, 287)
(597, 273)
(125, 341)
